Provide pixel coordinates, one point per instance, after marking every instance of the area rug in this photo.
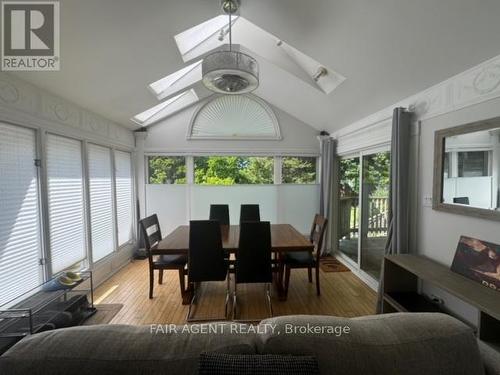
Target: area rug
(331, 264)
(104, 314)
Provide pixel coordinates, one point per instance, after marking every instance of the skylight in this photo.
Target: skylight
(166, 108)
(175, 82)
(199, 40)
(203, 37)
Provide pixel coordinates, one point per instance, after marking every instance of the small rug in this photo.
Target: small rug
(104, 314)
(331, 264)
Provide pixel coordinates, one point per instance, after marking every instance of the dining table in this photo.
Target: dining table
(284, 238)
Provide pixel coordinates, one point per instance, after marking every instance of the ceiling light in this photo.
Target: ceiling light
(228, 71)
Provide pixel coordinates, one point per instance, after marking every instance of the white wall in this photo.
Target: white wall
(24, 104)
(438, 232)
(467, 97)
(177, 204)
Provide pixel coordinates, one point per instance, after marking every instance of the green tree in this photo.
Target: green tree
(230, 170)
(167, 170)
(299, 170)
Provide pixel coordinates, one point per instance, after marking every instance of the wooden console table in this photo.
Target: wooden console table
(401, 292)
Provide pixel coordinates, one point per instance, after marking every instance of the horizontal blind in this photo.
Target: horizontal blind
(65, 202)
(101, 206)
(123, 183)
(20, 245)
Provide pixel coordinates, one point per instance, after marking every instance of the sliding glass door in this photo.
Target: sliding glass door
(363, 208)
(349, 207)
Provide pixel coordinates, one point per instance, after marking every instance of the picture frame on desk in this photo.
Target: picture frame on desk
(478, 260)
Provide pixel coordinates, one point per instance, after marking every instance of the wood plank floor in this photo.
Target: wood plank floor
(342, 294)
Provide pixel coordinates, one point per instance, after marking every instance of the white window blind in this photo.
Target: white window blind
(101, 201)
(124, 202)
(65, 202)
(20, 246)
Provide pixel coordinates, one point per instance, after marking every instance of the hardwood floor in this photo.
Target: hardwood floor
(342, 294)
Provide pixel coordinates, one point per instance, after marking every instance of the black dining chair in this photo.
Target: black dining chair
(253, 259)
(461, 200)
(307, 259)
(249, 212)
(220, 213)
(206, 260)
(151, 232)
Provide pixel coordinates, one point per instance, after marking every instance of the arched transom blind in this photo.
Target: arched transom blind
(235, 117)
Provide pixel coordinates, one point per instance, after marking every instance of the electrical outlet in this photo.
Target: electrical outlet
(427, 201)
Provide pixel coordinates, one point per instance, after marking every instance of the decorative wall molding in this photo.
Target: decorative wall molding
(476, 85)
(26, 104)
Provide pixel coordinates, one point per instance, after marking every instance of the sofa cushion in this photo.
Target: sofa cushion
(121, 349)
(257, 364)
(491, 359)
(410, 344)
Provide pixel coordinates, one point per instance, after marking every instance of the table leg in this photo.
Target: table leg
(278, 278)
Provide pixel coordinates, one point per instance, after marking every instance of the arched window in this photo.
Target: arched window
(234, 117)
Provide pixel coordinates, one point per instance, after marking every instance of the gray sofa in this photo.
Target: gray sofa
(407, 344)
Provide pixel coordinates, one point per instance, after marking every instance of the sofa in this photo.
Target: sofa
(410, 344)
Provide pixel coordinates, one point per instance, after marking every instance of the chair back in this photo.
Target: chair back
(253, 257)
(249, 212)
(317, 234)
(206, 255)
(151, 232)
(220, 213)
(461, 200)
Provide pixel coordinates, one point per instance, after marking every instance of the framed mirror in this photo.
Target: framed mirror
(467, 170)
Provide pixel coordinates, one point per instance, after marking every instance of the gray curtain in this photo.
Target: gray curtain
(327, 152)
(399, 199)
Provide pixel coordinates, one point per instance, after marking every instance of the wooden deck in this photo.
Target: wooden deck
(342, 294)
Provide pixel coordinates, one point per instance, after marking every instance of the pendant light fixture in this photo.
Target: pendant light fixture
(228, 71)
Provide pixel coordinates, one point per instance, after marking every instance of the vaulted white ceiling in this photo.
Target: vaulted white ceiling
(111, 50)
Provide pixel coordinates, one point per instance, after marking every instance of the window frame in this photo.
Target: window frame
(189, 158)
(85, 262)
(39, 153)
(132, 200)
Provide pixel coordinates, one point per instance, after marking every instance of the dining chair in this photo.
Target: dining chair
(220, 213)
(206, 260)
(307, 259)
(253, 259)
(249, 212)
(151, 232)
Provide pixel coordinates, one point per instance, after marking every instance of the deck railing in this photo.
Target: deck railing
(376, 218)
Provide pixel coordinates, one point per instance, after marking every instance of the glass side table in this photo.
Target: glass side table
(46, 307)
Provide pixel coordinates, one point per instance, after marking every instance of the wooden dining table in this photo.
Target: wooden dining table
(284, 238)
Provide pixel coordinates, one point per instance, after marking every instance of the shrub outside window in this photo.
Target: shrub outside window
(298, 170)
(233, 170)
(167, 170)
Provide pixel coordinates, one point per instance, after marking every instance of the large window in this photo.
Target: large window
(124, 196)
(85, 195)
(101, 201)
(65, 202)
(298, 170)
(167, 169)
(231, 170)
(20, 244)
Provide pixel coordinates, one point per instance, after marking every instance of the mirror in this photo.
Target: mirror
(467, 170)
